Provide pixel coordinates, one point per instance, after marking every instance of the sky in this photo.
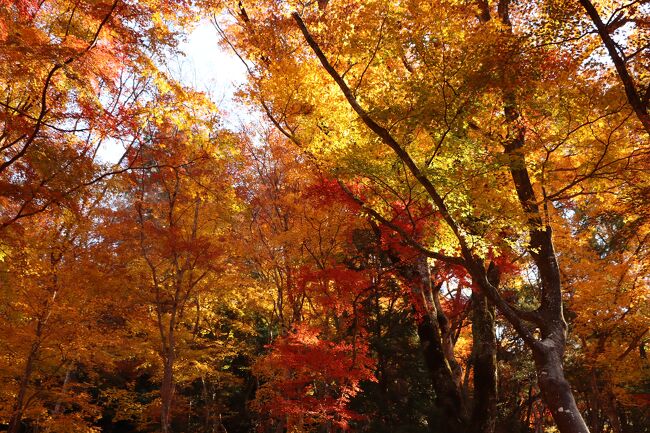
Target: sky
(207, 67)
(211, 68)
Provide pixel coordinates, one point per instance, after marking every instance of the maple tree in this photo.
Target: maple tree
(349, 81)
(174, 218)
(439, 224)
(46, 337)
(74, 78)
(300, 233)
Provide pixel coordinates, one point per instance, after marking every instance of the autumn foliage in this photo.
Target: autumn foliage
(415, 217)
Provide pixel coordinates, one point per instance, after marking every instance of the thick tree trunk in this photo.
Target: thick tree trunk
(549, 317)
(548, 353)
(484, 359)
(167, 392)
(555, 389)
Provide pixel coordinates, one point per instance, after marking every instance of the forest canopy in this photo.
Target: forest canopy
(416, 217)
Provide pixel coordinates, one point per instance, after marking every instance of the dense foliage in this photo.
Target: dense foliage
(439, 221)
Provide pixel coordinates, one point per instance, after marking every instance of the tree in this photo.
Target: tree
(476, 117)
(46, 277)
(627, 56)
(296, 250)
(173, 226)
(74, 77)
(441, 225)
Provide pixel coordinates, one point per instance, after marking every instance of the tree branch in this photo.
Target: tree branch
(473, 264)
(633, 96)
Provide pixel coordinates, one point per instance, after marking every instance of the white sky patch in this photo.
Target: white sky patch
(206, 67)
(216, 70)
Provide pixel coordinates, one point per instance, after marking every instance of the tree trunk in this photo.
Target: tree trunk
(438, 358)
(555, 389)
(57, 407)
(611, 408)
(548, 352)
(167, 392)
(484, 358)
(448, 398)
(593, 402)
(17, 412)
(169, 357)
